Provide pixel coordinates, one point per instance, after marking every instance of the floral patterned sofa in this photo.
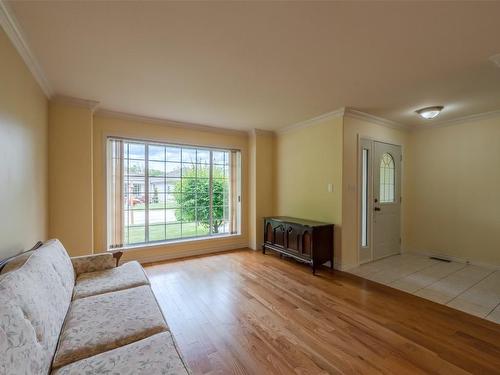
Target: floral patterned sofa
(82, 315)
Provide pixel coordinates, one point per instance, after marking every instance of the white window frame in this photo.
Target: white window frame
(234, 196)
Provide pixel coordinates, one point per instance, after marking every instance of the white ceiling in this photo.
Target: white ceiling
(265, 65)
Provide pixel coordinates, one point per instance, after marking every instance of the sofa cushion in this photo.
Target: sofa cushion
(106, 321)
(54, 253)
(126, 276)
(92, 263)
(154, 355)
(34, 299)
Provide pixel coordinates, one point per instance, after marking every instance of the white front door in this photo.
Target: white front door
(386, 200)
(380, 200)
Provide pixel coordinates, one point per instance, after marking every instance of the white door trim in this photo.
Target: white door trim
(360, 140)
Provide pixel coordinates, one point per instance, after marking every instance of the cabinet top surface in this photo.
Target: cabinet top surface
(296, 220)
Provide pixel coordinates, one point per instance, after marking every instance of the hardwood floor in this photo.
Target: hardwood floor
(243, 312)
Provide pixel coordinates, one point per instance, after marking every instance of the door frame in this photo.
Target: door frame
(360, 248)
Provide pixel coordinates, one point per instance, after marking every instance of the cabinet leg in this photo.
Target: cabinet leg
(314, 268)
(263, 250)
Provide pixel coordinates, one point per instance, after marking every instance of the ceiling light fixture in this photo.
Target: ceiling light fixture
(429, 113)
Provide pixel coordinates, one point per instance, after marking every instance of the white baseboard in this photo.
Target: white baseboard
(187, 253)
(344, 267)
(341, 267)
(454, 259)
(215, 249)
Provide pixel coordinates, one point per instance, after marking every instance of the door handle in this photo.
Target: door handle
(377, 209)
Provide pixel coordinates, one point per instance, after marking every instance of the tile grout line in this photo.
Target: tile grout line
(438, 280)
(497, 305)
(430, 265)
(441, 278)
(469, 287)
(374, 272)
(493, 309)
(421, 269)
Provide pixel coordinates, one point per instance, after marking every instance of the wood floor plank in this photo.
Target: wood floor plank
(242, 312)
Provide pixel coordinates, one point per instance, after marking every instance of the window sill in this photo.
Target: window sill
(183, 241)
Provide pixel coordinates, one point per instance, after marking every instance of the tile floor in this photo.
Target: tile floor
(473, 289)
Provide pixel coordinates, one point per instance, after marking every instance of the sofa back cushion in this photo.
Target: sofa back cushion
(34, 300)
(16, 262)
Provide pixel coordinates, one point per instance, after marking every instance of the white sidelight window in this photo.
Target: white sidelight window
(364, 197)
(158, 192)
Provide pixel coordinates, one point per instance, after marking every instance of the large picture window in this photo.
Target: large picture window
(160, 192)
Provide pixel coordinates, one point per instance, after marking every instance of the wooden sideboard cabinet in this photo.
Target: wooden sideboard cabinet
(305, 240)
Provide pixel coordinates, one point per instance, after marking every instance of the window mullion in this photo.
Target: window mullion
(146, 193)
(128, 193)
(210, 184)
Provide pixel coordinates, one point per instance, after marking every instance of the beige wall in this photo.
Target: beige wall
(454, 191)
(105, 126)
(354, 129)
(23, 145)
(262, 163)
(307, 160)
(70, 176)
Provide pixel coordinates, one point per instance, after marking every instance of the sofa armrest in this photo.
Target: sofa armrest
(97, 262)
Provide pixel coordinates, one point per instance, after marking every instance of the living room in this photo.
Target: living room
(249, 187)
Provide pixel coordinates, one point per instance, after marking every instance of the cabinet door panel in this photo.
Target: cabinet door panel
(293, 238)
(269, 233)
(307, 243)
(279, 235)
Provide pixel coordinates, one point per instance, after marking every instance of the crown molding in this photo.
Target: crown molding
(312, 121)
(77, 102)
(13, 31)
(458, 121)
(267, 133)
(344, 112)
(349, 112)
(172, 123)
